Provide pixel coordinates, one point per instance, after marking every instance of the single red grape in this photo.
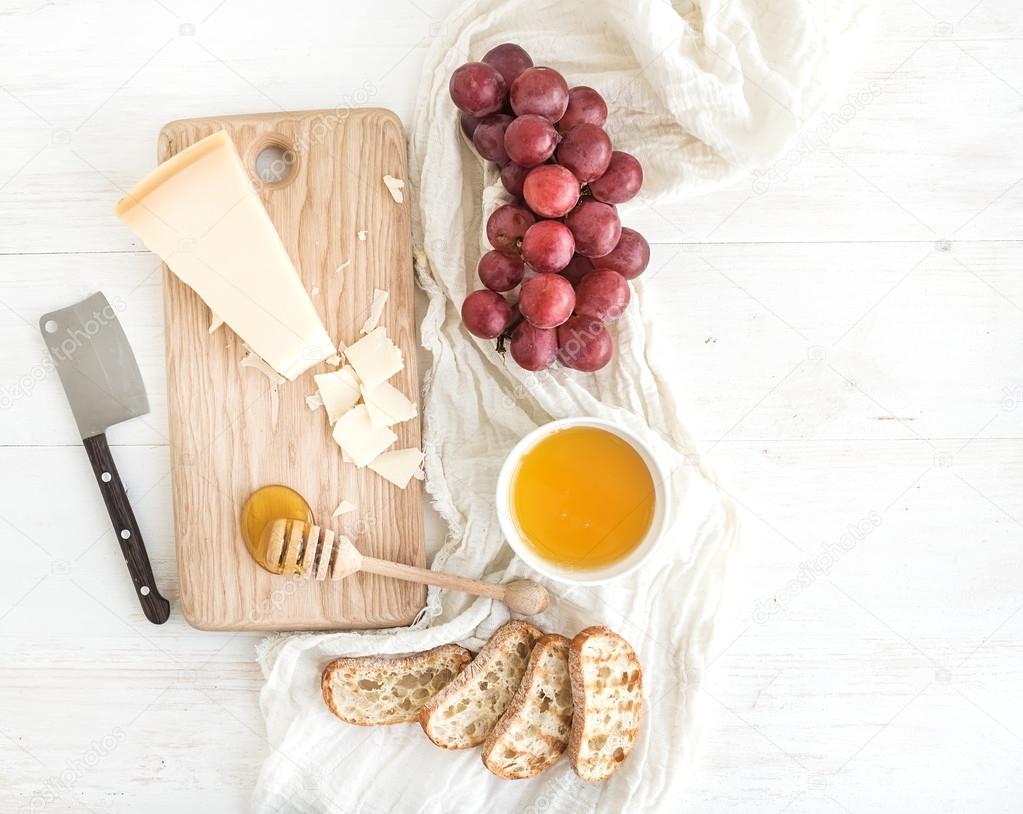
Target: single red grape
(547, 246)
(488, 139)
(534, 348)
(477, 89)
(621, 181)
(486, 314)
(603, 295)
(509, 59)
(530, 140)
(541, 91)
(551, 190)
(500, 271)
(513, 176)
(585, 105)
(507, 225)
(595, 226)
(468, 124)
(584, 344)
(629, 258)
(586, 151)
(546, 300)
(577, 268)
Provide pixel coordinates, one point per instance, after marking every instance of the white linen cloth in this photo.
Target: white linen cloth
(701, 93)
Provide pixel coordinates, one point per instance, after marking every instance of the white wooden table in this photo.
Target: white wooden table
(850, 330)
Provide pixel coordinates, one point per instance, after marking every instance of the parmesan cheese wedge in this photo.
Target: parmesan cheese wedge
(387, 405)
(199, 212)
(344, 507)
(376, 310)
(375, 358)
(398, 466)
(357, 436)
(339, 391)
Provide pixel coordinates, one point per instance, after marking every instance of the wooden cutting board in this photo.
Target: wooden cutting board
(227, 436)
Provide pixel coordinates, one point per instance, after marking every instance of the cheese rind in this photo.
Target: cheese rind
(339, 391)
(398, 466)
(387, 405)
(199, 212)
(357, 436)
(375, 358)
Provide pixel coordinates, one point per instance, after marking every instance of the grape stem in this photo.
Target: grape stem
(507, 335)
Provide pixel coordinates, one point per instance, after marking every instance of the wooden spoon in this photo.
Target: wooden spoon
(298, 547)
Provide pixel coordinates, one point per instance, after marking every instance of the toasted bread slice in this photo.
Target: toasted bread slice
(463, 713)
(373, 690)
(534, 730)
(607, 692)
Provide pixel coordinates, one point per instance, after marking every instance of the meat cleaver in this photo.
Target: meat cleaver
(103, 386)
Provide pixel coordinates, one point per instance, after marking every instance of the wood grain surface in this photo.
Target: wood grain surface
(229, 437)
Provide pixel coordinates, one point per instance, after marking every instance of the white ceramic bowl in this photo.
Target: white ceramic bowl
(573, 576)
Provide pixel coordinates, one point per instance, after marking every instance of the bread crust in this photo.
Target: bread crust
(531, 680)
(445, 656)
(515, 629)
(626, 728)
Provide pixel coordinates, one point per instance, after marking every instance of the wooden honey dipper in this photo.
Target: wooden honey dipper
(298, 547)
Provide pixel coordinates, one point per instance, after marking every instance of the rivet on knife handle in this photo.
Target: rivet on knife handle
(156, 608)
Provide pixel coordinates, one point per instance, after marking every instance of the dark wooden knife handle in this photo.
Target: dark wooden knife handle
(156, 608)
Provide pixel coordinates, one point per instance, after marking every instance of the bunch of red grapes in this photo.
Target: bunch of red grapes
(561, 243)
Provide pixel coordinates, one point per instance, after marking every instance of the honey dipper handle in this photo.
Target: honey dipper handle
(524, 596)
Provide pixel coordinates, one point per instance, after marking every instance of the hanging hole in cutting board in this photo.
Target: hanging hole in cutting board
(275, 163)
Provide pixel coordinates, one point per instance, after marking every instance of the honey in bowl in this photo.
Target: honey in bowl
(582, 498)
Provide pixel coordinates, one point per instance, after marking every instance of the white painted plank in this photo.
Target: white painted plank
(841, 341)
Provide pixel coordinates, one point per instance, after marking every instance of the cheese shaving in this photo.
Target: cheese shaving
(343, 266)
(375, 358)
(333, 361)
(395, 186)
(314, 401)
(398, 466)
(256, 363)
(344, 507)
(387, 405)
(376, 310)
(250, 359)
(339, 391)
(362, 234)
(357, 436)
